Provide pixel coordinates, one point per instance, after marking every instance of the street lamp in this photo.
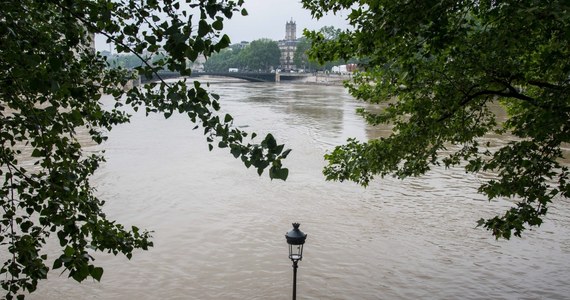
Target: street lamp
(296, 240)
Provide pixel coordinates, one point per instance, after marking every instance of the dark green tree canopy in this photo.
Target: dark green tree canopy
(262, 54)
(435, 66)
(50, 85)
(301, 58)
(223, 61)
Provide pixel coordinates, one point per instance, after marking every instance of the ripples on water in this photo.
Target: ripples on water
(219, 228)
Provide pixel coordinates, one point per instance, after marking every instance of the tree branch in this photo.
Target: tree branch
(465, 101)
(96, 30)
(546, 85)
(514, 93)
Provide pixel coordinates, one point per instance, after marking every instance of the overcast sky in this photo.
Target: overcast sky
(267, 19)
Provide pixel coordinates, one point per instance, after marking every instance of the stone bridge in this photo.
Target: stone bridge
(249, 76)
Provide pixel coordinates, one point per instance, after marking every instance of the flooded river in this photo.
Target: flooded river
(219, 228)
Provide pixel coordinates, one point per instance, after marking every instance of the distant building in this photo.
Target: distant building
(198, 64)
(288, 46)
(240, 45)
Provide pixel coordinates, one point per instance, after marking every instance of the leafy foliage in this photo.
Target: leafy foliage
(303, 56)
(224, 60)
(50, 86)
(435, 66)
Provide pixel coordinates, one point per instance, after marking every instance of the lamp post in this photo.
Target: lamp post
(296, 240)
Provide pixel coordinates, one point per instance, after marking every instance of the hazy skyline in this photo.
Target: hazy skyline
(267, 19)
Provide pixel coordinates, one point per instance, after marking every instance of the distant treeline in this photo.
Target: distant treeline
(259, 55)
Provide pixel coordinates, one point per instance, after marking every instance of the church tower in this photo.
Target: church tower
(288, 46)
(291, 31)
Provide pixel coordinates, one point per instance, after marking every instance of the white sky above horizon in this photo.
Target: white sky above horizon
(266, 19)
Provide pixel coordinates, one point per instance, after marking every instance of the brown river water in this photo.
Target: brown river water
(219, 228)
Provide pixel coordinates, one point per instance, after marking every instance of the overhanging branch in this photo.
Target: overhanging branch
(96, 30)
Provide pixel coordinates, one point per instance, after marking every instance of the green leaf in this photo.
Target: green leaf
(228, 118)
(69, 251)
(278, 173)
(269, 142)
(218, 25)
(203, 28)
(57, 264)
(97, 273)
(236, 152)
(37, 153)
(286, 153)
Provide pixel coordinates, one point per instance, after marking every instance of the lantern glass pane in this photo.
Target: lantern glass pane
(295, 252)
